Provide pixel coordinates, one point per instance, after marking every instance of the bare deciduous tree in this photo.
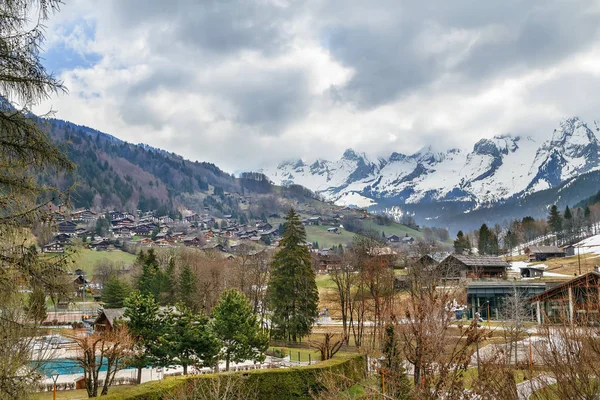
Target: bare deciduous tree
(106, 351)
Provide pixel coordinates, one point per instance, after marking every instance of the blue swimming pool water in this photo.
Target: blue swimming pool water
(63, 366)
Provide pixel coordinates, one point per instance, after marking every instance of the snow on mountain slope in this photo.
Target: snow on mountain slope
(495, 169)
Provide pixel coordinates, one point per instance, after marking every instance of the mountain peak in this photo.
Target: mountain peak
(350, 155)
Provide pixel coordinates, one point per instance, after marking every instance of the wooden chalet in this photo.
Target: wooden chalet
(107, 317)
(474, 266)
(67, 227)
(84, 215)
(543, 253)
(392, 239)
(62, 238)
(192, 241)
(54, 247)
(126, 221)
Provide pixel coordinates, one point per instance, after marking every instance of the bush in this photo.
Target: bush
(275, 384)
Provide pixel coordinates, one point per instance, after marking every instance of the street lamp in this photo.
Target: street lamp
(54, 376)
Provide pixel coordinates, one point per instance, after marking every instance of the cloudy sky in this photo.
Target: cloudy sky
(250, 83)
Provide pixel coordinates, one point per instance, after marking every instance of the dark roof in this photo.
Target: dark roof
(581, 280)
(478, 261)
(545, 249)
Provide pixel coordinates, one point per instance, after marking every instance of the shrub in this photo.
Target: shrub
(271, 384)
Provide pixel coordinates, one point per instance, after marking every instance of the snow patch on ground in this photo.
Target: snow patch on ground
(590, 245)
(517, 265)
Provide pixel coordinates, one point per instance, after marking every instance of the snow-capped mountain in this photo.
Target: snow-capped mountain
(495, 170)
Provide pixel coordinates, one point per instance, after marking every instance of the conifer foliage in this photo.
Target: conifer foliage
(292, 295)
(237, 329)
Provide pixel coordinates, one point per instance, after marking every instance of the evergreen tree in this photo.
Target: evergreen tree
(587, 215)
(152, 279)
(340, 249)
(461, 244)
(484, 240)
(567, 215)
(236, 327)
(187, 340)
(114, 293)
(187, 287)
(292, 293)
(36, 305)
(141, 316)
(555, 220)
(171, 282)
(568, 222)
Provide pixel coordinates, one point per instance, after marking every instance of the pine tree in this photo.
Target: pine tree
(484, 240)
(152, 279)
(236, 327)
(114, 293)
(141, 316)
(461, 244)
(187, 340)
(292, 293)
(568, 222)
(555, 220)
(587, 215)
(187, 287)
(171, 282)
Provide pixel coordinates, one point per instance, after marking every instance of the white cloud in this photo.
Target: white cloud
(246, 83)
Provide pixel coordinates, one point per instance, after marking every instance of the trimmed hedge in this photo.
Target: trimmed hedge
(275, 384)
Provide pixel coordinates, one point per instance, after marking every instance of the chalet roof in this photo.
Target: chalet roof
(591, 278)
(477, 260)
(545, 249)
(111, 314)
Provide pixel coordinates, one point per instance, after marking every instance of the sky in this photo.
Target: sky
(246, 84)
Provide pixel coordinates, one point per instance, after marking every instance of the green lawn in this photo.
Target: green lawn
(326, 239)
(293, 353)
(325, 282)
(393, 229)
(86, 259)
(75, 394)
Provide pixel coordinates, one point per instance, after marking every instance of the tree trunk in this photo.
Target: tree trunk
(227, 362)
(185, 369)
(139, 375)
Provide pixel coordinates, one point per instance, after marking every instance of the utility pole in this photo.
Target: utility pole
(579, 259)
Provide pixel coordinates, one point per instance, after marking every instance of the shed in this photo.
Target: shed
(542, 253)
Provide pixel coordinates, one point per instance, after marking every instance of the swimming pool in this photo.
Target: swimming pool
(65, 366)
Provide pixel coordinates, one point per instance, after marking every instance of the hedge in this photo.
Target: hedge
(275, 384)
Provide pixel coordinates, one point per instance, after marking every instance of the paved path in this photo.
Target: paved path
(527, 388)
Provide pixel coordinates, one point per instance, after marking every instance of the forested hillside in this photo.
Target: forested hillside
(111, 173)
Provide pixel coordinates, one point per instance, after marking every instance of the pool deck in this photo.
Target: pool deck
(152, 374)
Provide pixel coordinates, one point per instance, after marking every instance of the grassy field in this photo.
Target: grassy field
(293, 353)
(74, 394)
(570, 265)
(393, 229)
(86, 259)
(326, 239)
(325, 282)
